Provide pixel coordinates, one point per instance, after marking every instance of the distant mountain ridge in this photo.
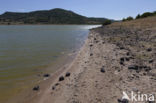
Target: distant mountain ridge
(53, 16)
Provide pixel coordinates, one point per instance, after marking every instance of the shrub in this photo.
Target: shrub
(127, 19)
(146, 14)
(138, 16)
(107, 22)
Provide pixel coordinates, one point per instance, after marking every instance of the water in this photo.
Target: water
(26, 50)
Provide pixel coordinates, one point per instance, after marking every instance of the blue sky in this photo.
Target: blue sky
(113, 9)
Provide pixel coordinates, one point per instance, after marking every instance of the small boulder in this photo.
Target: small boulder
(149, 49)
(127, 59)
(133, 67)
(67, 74)
(123, 101)
(122, 59)
(46, 75)
(53, 88)
(61, 78)
(91, 54)
(36, 88)
(102, 70)
(151, 61)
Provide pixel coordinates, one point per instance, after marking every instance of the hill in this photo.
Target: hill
(54, 16)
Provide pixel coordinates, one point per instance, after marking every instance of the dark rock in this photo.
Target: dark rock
(36, 88)
(56, 84)
(127, 53)
(122, 59)
(127, 59)
(147, 69)
(151, 61)
(94, 38)
(67, 74)
(121, 62)
(53, 88)
(133, 67)
(90, 45)
(91, 54)
(61, 78)
(149, 49)
(46, 75)
(123, 101)
(122, 48)
(102, 70)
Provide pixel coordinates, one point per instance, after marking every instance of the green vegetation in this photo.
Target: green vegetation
(54, 16)
(146, 14)
(107, 22)
(128, 18)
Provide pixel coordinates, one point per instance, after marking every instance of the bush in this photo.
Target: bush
(127, 19)
(146, 14)
(107, 22)
(138, 16)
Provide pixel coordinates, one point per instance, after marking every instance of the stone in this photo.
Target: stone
(46, 75)
(61, 78)
(102, 70)
(91, 54)
(67, 74)
(123, 101)
(53, 88)
(149, 49)
(133, 67)
(151, 61)
(36, 88)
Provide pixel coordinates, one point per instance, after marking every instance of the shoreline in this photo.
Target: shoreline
(113, 59)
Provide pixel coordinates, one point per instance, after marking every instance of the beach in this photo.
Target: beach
(115, 58)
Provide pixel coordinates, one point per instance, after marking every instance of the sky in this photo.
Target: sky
(112, 9)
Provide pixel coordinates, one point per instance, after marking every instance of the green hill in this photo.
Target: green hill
(54, 16)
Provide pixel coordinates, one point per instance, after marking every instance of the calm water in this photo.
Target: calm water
(26, 50)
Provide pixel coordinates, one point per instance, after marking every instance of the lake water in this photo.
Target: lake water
(26, 50)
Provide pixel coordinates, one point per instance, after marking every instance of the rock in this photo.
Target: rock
(123, 101)
(56, 84)
(91, 54)
(133, 67)
(147, 69)
(149, 49)
(102, 70)
(151, 61)
(127, 53)
(122, 59)
(61, 78)
(53, 88)
(36, 88)
(90, 45)
(67, 74)
(127, 59)
(122, 48)
(46, 75)
(121, 62)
